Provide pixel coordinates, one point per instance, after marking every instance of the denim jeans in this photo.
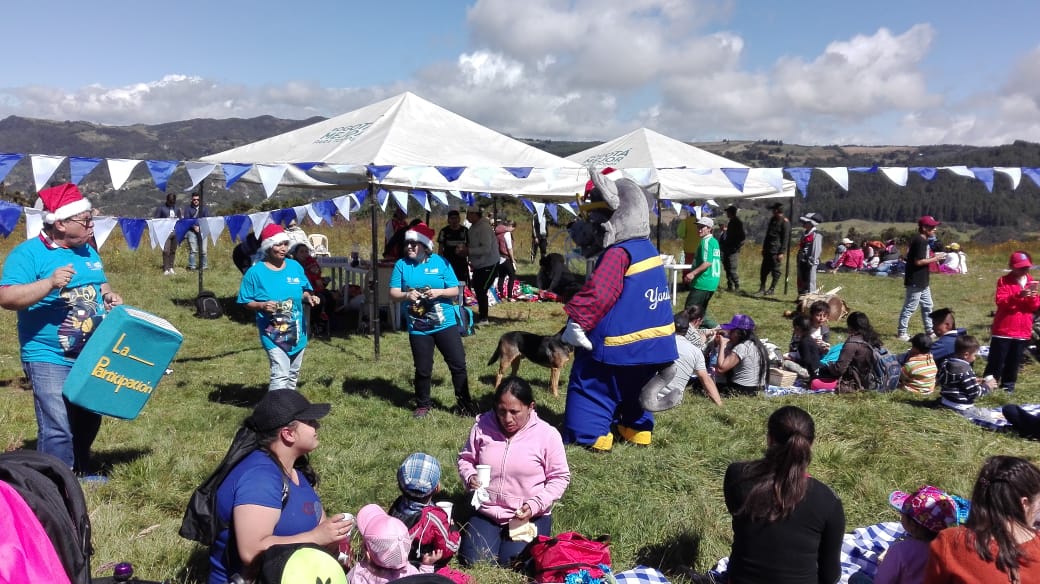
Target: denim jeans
(66, 431)
(916, 295)
(195, 242)
(484, 540)
(285, 370)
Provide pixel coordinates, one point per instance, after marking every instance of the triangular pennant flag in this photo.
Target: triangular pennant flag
(985, 175)
(737, 176)
(212, 227)
(33, 222)
(440, 197)
(1013, 173)
(484, 173)
(301, 212)
(198, 171)
(259, 220)
(79, 168)
(677, 207)
(43, 168)
(1033, 173)
(379, 172)
(551, 208)
(571, 208)
(450, 173)
(801, 176)
(305, 166)
(519, 171)
(711, 203)
(414, 173)
(313, 214)
(233, 172)
(161, 171)
(282, 216)
(896, 174)
(119, 169)
(959, 170)
(9, 216)
(773, 177)
(527, 205)
(7, 162)
(925, 172)
(468, 198)
(183, 227)
(343, 204)
(382, 197)
(103, 227)
(863, 169)
(325, 209)
(132, 230)
(270, 176)
(539, 213)
(840, 174)
(238, 227)
(422, 198)
(359, 196)
(641, 176)
(159, 230)
(401, 199)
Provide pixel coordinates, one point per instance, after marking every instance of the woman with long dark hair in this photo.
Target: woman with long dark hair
(742, 358)
(851, 372)
(787, 526)
(999, 541)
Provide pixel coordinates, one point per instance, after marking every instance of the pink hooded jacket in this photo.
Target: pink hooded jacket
(529, 467)
(1014, 318)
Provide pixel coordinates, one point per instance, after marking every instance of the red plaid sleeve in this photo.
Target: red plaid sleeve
(601, 291)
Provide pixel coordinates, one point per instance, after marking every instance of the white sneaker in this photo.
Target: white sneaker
(904, 337)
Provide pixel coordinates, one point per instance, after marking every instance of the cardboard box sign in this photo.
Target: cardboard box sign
(122, 362)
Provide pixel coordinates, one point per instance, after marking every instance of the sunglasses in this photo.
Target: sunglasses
(412, 244)
(84, 222)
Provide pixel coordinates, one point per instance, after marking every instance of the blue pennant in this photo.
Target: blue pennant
(182, 227)
(925, 172)
(161, 171)
(985, 175)
(283, 216)
(305, 166)
(132, 231)
(450, 173)
(737, 176)
(361, 195)
(519, 171)
(379, 172)
(80, 167)
(527, 205)
(326, 209)
(381, 196)
(238, 226)
(468, 198)
(1033, 173)
(233, 172)
(7, 162)
(9, 216)
(421, 197)
(801, 176)
(551, 208)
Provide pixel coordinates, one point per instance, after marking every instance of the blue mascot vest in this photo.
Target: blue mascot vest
(640, 328)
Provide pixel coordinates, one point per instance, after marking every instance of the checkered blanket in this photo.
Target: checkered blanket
(997, 422)
(777, 391)
(860, 549)
(640, 575)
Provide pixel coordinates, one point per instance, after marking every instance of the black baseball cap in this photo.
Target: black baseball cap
(280, 407)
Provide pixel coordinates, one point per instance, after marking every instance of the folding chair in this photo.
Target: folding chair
(319, 245)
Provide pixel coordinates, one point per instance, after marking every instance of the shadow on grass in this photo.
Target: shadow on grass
(238, 394)
(672, 556)
(381, 389)
(105, 460)
(196, 569)
(928, 404)
(232, 309)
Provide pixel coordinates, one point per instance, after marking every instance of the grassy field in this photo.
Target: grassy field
(663, 505)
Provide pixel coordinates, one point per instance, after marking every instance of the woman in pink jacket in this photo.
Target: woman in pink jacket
(529, 473)
(1017, 299)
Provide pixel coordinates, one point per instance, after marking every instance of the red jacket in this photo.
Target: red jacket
(1014, 318)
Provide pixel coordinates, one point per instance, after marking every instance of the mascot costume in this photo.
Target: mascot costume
(621, 322)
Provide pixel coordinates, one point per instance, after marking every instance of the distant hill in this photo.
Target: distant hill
(871, 197)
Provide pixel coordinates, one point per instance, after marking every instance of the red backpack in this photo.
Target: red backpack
(550, 559)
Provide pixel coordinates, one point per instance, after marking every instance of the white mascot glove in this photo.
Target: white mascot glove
(575, 337)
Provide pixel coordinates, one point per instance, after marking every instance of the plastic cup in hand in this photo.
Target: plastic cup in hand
(484, 475)
(344, 546)
(447, 507)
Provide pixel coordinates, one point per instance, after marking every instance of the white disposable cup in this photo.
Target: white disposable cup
(447, 506)
(484, 474)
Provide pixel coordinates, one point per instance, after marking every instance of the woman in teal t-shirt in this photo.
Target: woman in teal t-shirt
(276, 289)
(427, 285)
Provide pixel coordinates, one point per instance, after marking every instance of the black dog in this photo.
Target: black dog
(547, 351)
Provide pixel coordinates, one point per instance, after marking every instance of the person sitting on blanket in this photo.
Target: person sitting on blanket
(851, 372)
(430, 527)
(742, 359)
(667, 388)
(1025, 423)
(944, 325)
(804, 357)
(699, 337)
(959, 386)
(918, 373)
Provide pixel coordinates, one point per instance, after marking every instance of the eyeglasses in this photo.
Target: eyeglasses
(412, 244)
(84, 222)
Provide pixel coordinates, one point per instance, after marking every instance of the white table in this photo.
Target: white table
(342, 274)
(676, 269)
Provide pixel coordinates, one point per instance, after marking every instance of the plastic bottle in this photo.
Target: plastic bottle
(682, 257)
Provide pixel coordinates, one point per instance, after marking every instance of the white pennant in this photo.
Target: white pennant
(301, 212)
(677, 207)
(774, 177)
(840, 174)
(44, 166)
(198, 171)
(897, 174)
(160, 229)
(440, 197)
(401, 198)
(539, 213)
(316, 217)
(270, 176)
(455, 194)
(33, 222)
(568, 209)
(211, 227)
(103, 227)
(120, 169)
(712, 203)
(343, 203)
(260, 220)
(959, 170)
(1014, 173)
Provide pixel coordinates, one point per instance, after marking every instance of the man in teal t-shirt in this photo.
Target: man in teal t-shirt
(707, 270)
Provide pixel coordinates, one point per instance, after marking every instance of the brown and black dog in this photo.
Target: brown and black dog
(545, 350)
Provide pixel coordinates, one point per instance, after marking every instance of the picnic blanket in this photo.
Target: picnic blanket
(640, 575)
(777, 391)
(860, 549)
(995, 419)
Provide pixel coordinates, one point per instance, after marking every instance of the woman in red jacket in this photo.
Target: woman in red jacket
(1017, 299)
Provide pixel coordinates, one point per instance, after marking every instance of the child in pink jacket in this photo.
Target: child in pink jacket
(1017, 299)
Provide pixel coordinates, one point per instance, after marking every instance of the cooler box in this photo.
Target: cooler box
(123, 361)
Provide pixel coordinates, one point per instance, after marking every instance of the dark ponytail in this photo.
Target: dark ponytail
(779, 480)
(996, 509)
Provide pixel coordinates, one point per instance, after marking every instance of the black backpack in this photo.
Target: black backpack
(207, 305)
(51, 490)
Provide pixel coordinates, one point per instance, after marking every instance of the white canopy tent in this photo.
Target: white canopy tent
(676, 171)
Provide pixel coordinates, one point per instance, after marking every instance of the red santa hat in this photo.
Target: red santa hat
(421, 233)
(61, 202)
(271, 235)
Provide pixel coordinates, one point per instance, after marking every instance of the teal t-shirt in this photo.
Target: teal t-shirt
(285, 328)
(708, 251)
(426, 316)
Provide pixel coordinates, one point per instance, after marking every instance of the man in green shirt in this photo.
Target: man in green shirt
(707, 270)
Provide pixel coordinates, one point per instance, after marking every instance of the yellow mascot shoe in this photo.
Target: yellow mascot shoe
(603, 443)
(638, 437)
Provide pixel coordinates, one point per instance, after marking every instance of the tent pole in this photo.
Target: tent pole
(373, 279)
(658, 205)
(202, 205)
(787, 266)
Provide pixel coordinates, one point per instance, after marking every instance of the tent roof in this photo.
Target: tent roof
(683, 172)
(414, 136)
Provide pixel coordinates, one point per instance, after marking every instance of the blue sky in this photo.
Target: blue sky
(809, 71)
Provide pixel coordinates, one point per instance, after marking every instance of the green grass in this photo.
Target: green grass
(663, 505)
